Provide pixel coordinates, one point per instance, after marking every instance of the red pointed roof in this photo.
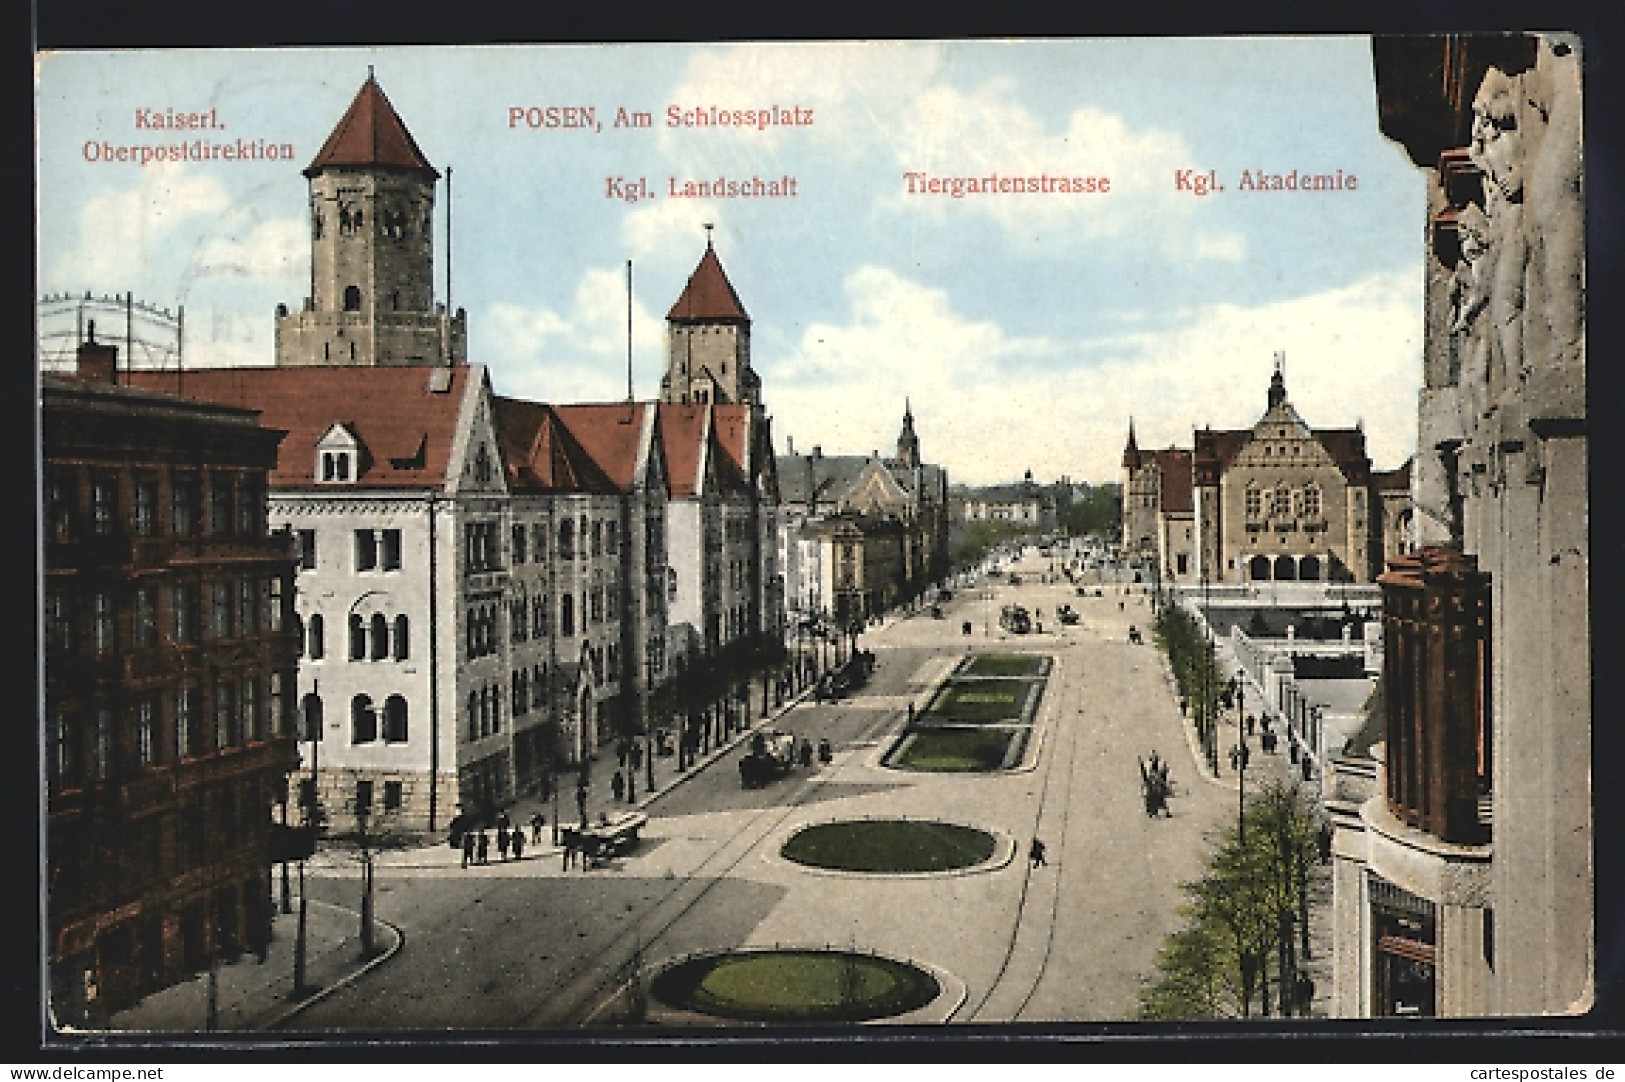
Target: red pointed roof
(682, 431)
(370, 135)
(540, 452)
(612, 433)
(709, 294)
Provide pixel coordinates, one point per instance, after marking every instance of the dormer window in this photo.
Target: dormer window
(338, 457)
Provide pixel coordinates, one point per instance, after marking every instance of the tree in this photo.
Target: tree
(1097, 511)
(1251, 899)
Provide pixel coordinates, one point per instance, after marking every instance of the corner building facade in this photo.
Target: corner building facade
(1463, 851)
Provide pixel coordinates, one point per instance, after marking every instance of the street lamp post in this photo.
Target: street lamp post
(287, 890)
(361, 813)
(1238, 760)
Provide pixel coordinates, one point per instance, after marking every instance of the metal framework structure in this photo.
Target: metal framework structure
(148, 336)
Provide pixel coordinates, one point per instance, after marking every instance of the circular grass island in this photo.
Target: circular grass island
(889, 846)
(795, 985)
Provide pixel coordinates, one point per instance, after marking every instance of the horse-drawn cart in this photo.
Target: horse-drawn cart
(610, 837)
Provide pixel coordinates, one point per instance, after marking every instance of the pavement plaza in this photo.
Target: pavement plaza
(1073, 940)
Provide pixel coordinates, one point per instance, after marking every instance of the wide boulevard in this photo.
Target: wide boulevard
(529, 945)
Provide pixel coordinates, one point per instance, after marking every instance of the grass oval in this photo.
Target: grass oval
(795, 986)
(894, 846)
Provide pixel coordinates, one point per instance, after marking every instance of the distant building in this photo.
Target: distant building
(1027, 504)
(843, 515)
(1277, 502)
(169, 685)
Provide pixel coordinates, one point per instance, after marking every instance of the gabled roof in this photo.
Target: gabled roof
(1394, 480)
(682, 432)
(405, 428)
(1347, 448)
(709, 294)
(370, 135)
(1175, 489)
(540, 452)
(612, 433)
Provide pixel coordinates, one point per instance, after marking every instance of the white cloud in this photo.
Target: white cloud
(859, 93)
(1352, 356)
(119, 228)
(667, 229)
(963, 134)
(578, 355)
(271, 249)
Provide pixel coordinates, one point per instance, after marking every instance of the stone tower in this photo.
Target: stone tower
(908, 442)
(371, 251)
(708, 339)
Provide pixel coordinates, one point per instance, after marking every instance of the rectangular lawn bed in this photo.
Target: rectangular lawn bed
(975, 701)
(997, 665)
(962, 749)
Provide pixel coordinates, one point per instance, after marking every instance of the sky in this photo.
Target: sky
(1025, 330)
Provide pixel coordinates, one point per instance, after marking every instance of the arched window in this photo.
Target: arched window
(363, 720)
(1286, 569)
(584, 534)
(597, 538)
(352, 298)
(299, 629)
(567, 539)
(473, 715)
(1281, 502)
(310, 717)
(402, 641)
(395, 720)
(567, 615)
(358, 637)
(380, 637)
(1309, 569)
(1258, 569)
(318, 645)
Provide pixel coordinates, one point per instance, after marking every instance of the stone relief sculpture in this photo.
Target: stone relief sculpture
(1526, 140)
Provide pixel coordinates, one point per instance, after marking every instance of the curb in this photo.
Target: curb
(349, 978)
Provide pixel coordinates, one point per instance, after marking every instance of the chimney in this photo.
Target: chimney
(97, 360)
(789, 445)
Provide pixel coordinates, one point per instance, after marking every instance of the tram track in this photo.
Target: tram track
(589, 994)
(1013, 978)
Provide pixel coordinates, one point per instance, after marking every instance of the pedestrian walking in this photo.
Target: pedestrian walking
(502, 840)
(1251, 721)
(537, 821)
(617, 785)
(483, 849)
(635, 757)
(569, 848)
(1035, 853)
(518, 843)
(468, 847)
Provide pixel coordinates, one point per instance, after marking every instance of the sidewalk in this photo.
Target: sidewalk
(545, 858)
(1263, 768)
(251, 995)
